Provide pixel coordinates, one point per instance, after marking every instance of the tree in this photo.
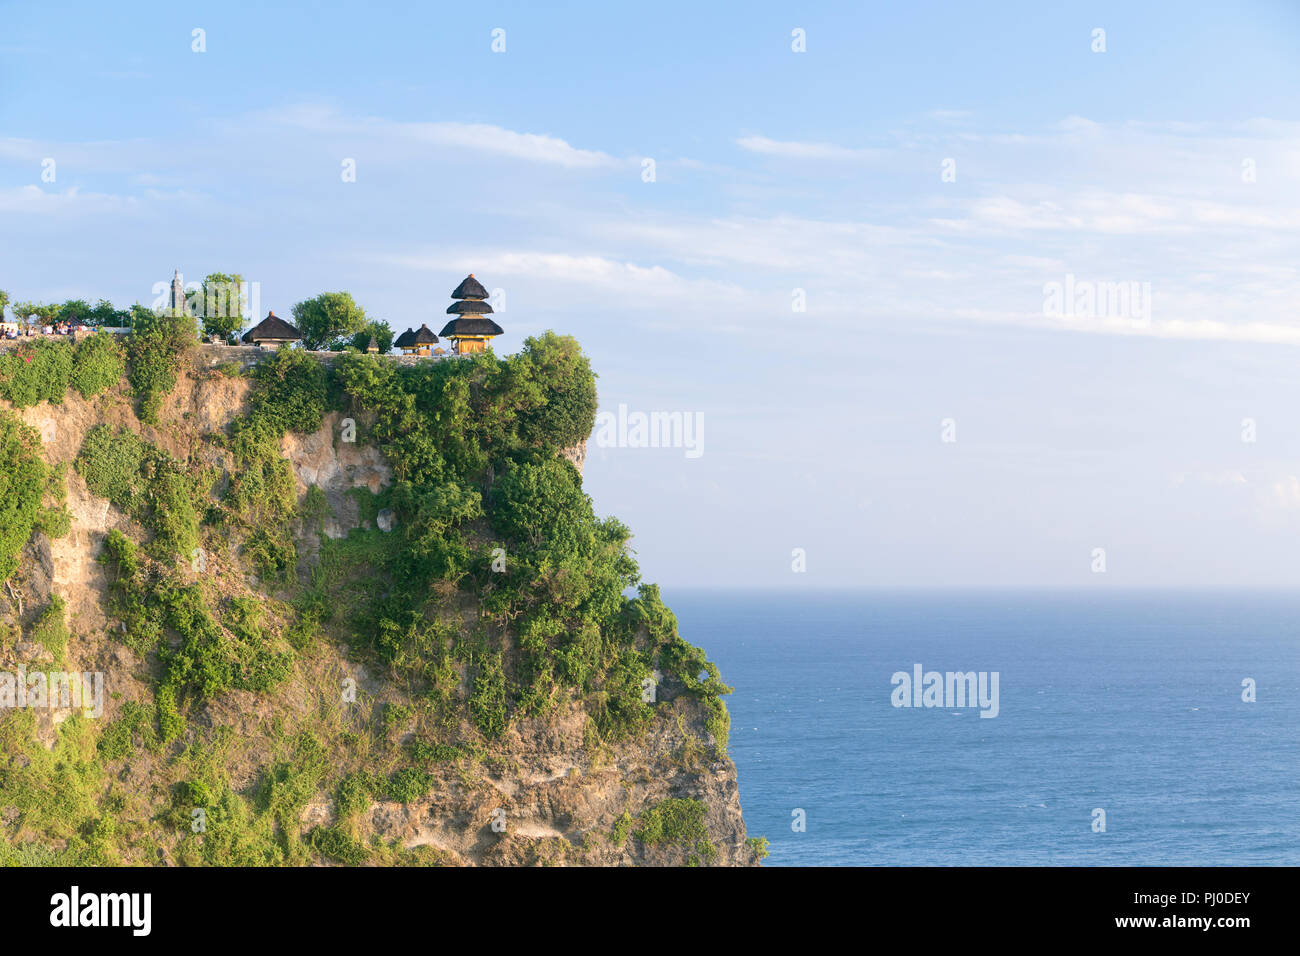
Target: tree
(4, 302)
(140, 314)
(541, 503)
(74, 310)
(382, 333)
(222, 306)
(328, 320)
(555, 389)
(24, 311)
(48, 312)
(105, 314)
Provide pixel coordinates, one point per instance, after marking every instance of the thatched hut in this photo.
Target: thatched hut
(272, 331)
(416, 342)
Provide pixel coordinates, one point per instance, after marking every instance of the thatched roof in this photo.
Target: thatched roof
(470, 307)
(272, 329)
(414, 338)
(470, 326)
(471, 288)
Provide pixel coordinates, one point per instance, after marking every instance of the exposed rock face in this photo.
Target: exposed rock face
(555, 801)
(544, 793)
(330, 461)
(576, 454)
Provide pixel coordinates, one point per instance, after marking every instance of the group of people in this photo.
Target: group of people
(14, 331)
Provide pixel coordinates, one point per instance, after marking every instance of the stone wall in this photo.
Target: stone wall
(210, 356)
(207, 355)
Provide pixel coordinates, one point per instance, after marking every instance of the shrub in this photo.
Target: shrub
(50, 630)
(314, 507)
(173, 515)
(425, 752)
(290, 784)
(333, 843)
(622, 827)
(22, 482)
(353, 796)
(170, 722)
(304, 630)
(407, 785)
(273, 553)
(677, 822)
(147, 484)
(487, 702)
(53, 792)
(97, 364)
(54, 522)
(482, 433)
(541, 503)
(34, 373)
(209, 660)
(110, 461)
(115, 741)
(155, 348)
(289, 392)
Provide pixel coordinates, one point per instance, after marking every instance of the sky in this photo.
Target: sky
(957, 297)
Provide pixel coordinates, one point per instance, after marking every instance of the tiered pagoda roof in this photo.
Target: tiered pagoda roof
(471, 312)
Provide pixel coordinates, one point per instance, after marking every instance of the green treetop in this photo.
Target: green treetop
(329, 320)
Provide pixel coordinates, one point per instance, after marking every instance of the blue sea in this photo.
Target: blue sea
(1129, 703)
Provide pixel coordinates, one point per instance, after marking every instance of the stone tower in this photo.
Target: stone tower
(176, 304)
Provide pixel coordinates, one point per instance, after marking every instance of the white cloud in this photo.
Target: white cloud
(950, 116)
(33, 200)
(1212, 478)
(621, 278)
(533, 147)
(477, 137)
(798, 150)
(1224, 268)
(1117, 214)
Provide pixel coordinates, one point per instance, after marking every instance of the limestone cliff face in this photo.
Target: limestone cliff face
(544, 793)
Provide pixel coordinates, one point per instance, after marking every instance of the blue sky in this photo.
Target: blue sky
(1170, 162)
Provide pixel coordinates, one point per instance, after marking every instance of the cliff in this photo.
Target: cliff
(339, 619)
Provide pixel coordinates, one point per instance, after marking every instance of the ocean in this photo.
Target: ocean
(1127, 703)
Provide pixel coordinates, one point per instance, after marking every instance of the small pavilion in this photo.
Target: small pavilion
(416, 342)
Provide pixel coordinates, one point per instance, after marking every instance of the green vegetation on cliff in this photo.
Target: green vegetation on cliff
(22, 481)
(45, 370)
(26, 485)
(481, 585)
(155, 347)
